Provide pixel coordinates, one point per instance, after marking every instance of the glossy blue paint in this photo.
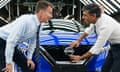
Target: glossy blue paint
(94, 64)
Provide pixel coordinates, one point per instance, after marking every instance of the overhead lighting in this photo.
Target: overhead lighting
(89, 1)
(105, 6)
(83, 2)
(86, 2)
(115, 3)
(110, 6)
(96, 2)
(104, 9)
(107, 11)
(118, 1)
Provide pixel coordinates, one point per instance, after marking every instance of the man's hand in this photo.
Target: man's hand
(75, 44)
(8, 68)
(75, 58)
(31, 64)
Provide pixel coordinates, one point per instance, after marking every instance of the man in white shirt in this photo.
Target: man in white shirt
(107, 29)
(18, 31)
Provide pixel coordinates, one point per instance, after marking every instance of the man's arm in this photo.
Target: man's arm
(13, 39)
(82, 37)
(77, 42)
(96, 49)
(32, 48)
(87, 31)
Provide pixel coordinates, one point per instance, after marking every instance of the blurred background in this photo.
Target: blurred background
(10, 9)
(65, 27)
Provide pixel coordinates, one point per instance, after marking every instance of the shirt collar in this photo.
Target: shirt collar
(37, 20)
(98, 22)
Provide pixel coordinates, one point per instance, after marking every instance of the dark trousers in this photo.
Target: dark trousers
(112, 63)
(18, 58)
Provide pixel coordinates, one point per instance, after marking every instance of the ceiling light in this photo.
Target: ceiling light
(83, 2)
(110, 5)
(118, 1)
(86, 2)
(105, 6)
(115, 3)
(89, 1)
(101, 5)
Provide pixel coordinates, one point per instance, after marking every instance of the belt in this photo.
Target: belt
(115, 47)
(116, 44)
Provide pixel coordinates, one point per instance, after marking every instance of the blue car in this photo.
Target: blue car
(57, 35)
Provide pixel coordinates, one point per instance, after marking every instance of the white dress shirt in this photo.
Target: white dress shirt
(18, 31)
(107, 29)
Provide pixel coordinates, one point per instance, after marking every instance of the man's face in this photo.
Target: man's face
(88, 18)
(45, 15)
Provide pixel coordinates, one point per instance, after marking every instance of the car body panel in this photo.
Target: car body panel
(63, 38)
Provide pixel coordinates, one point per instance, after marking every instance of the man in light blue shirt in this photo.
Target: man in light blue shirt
(23, 28)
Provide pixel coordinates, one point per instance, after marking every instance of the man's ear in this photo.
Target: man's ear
(94, 15)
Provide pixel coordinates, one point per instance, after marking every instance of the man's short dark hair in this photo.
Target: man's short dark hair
(93, 9)
(41, 5)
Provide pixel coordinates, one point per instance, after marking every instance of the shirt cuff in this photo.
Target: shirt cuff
(29, 56)
(95, 50)
(9, 60)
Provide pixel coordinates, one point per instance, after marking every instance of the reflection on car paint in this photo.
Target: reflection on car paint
(64, 37)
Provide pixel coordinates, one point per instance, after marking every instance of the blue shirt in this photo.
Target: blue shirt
(18, 31)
